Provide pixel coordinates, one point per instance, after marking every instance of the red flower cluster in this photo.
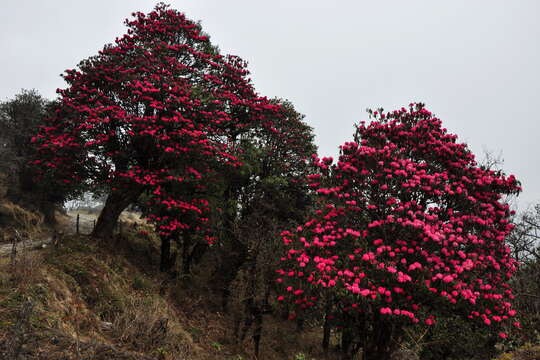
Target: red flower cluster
(157, 108)
(409, 224)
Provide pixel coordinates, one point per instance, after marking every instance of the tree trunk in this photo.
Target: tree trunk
(257, 331)
(198, 252)
(167, 259)
(326, 329)
(186, 253)
(347, 344)
(264, 308)
(48, 208)
(384, 341)
(116, 202)
(248, 318)
(300, 323)
(235, 253)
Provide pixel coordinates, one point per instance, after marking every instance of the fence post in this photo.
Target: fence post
(77, 225)
(13, 255)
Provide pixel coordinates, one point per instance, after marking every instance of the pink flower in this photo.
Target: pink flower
(386, 310)
(448, 278)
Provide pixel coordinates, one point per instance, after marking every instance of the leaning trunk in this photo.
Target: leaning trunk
(116, 202)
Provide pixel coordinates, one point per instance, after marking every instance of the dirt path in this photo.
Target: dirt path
(67, 225)
(6, 249)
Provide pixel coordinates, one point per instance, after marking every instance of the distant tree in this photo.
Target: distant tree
(524, 240)
(409, 229)
(153, 112)
(525, 244)
(20, 119)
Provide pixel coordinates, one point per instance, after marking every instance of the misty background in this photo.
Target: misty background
(474, 63)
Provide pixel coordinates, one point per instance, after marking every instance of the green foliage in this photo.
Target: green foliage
(20, 119)
(453, 338)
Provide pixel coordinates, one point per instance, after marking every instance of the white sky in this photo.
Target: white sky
(476, 64)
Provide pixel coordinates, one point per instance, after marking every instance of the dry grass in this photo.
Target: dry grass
(99, 296)
(148, 324)
(24, 268)
(28, 223)
(86, 296)
(96, 300)
(525, 352)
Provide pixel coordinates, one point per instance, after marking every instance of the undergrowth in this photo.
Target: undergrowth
(107, 301)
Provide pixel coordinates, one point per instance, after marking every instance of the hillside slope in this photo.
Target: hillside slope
(88, 300)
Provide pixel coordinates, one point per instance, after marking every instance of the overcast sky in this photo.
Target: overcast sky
(476, 64)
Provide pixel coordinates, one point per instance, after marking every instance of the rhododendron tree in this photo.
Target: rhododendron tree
(153, 112)
(409, 228)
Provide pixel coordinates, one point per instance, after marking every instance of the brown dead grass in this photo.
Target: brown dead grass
(87, 295)
(525, 352)
(27, 223)
(109, 299)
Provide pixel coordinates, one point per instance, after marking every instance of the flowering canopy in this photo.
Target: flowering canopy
(409, 226)
(156, 109)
